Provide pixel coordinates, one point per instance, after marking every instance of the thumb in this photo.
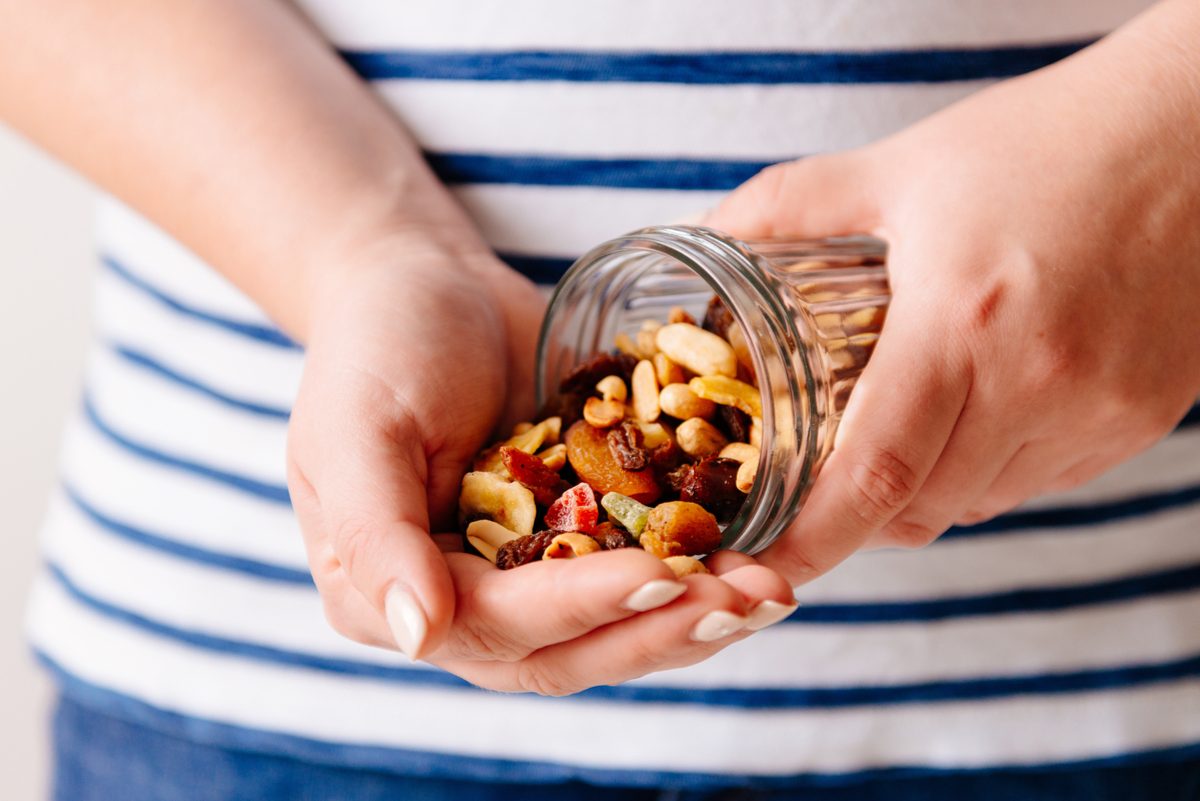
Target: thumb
(814, 197)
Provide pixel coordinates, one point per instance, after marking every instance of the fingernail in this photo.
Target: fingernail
(769, 613)
(406, 620)
(653, 594)
(716, 625)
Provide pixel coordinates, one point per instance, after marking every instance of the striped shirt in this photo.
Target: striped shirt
(175, 590)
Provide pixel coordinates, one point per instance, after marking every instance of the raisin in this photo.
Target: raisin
(583, 377)
(717, 318)
(588, 454)
(611, 536)
(533, 473)
(712, 483)
(626, 444)
(733, 422)
(665, 459)
(523, 550)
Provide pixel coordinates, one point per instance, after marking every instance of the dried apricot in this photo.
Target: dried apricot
(589, 455)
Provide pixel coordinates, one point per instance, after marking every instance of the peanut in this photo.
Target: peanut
(521, 428)
(728, 392)
(746, 474)
(487, 536)
(756, 432)
(570, 545)
(740, 452)
(603, 413)
(685, 566)
(489, 496)
(645, 392)
(654, 434)
(679, 401)
(697, 437)
(612, 387)
(667, 371)
(646, 339)
(678, 314)
(700, 351)
(555, 456)
(626, 345)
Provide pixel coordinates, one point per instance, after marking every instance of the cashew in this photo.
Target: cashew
(667, 371)
(570, 545)
(679, 401)
(756, 433)
(544, 433)
(489, 496)
(728, 392)
(685, 566)
(612, 387)
(645, 392)
(744, 480)
(603, 413)
(555, 456)
(697, 437)
(486, 536)
(737, 341)
(740, 452)
(700, 351)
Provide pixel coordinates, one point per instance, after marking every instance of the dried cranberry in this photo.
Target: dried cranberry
(575, 510)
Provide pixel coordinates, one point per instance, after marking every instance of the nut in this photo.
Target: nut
(756, 432)
(528, 440)
(678, 400)
(653, 435)
(680, 528)
(678, 314)
(603, 413)
(570, 545)
(646, 338)
(685, 566)
(486, 536)
(728, 392)
(746, 474)
(667, 371)
(626, 345)
(555, 456)
(612, 388)
(697, 437)
(645, 392)
(700, 351)
(488, 496)
(740, 452)
(737, 341)
(521, 428)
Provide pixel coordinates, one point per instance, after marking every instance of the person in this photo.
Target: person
(307, 253)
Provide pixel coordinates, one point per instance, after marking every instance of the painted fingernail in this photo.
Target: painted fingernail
(716, 625)
(406, 620)
(769, 613)
(653, 594)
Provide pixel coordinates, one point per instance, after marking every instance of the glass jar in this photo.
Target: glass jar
(809, 312)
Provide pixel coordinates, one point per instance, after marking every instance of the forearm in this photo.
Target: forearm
(231, 125)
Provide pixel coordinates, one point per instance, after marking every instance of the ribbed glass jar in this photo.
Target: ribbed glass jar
(810, 313)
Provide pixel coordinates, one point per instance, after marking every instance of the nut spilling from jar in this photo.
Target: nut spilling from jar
(654, 446)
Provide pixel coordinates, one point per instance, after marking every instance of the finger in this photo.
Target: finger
(707, 618)
(507, 614)
(816, 196)
(768, 596)
(899, 419)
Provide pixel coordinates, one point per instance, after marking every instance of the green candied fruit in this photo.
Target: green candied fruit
(626, 511)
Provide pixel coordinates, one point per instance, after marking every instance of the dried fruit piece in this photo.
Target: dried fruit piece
(612, 388)
(626, 511)
(665, 459)
(575, 510)
(734, 423)
(645, 392)
(588, 453)
(680, 528)
(583, 377)
(487, 536)
(685, 566)
(712, 483)
(717, 317)
(611, 537)
(678, 314)
(679, 401)
(603, 413)
(523, 550)
(545, 484)
(728, 392)
(700, 351)
(569, 545)
(489, 496)
(625, 444)
(667, 371)
(698, 437)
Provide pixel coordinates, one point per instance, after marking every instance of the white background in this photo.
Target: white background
(46, 271)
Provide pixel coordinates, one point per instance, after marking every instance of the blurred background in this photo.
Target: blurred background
(46, 266)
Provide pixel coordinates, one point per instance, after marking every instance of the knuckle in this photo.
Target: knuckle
(478, 641)
(910, 534)
(537, 677)
(881, 485)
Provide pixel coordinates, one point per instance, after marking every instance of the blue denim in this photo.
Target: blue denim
(103, 758)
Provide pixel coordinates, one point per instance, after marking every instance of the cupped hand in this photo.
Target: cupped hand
(1045, 267)
(416, 356)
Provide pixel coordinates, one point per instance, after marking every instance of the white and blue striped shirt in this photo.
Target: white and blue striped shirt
(176, 590)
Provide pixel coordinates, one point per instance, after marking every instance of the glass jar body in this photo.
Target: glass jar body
(808, 314)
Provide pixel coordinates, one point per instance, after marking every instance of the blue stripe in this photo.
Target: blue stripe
(540, 269)
(983, 688)
(152, 365)
(1190, 419)
(677, 174)
(928, 783)
(182, 550)
(265, 334)
(847, 67)
(260, 489)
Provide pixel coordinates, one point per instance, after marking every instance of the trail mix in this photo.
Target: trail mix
(655, 445)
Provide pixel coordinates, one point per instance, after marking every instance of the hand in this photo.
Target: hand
(415, 355)
(1045, 267)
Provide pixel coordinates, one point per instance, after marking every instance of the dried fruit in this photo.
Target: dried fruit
(626, 511)
(680, 528)
(523, 550)
(625, 444)
(545, 484)
(490, 497)
(574, 510)
(603, 413)
(588, 453)
(712, 483)
(612, 388)
(679, 401)
(569, 545)
(583, 377)
(611, 537)
(717, 317)
(728, 392)
(698, 437)
(487, 536)
(645, 392)
(700, 351)
(528, 440)
(685, 566)
(664, 459)
(734, 423)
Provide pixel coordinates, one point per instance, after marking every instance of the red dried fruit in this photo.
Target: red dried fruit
(626, 444)
(575, 510)
(733, 423)
(712, 483)
(717, 318)
(523, 550)
(589, 455)
(611, 536)
(583, 377)
(532, 472)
